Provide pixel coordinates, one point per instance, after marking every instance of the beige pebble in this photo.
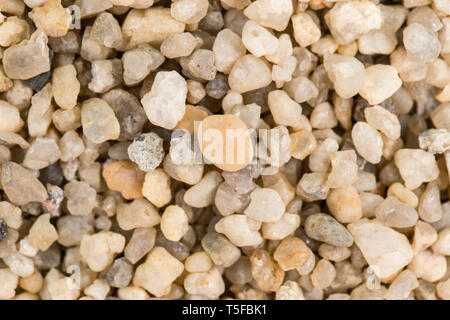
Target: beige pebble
(403, 194)
(66, 86)
(273, 14)
(158, 272)
(428, 266)
(249, 73)
(156, 187)
(10, 118)
(139, 213)
(9, 283)
(174, 223)
(380, 83)
(98, 250)
(198, 262)
(424, 236)
(202, 194)
(416, 167)
(42, 233)
(157, 23)
(209, 284)
(52, 18)
(383, 120)
(99, 121)
(345, 204)
(383, 247)
(282, 228)
(125, 177)
(265, 205)
(323, 274)
(303, 143)
(227, 48)
(237, 228)
(291, 253)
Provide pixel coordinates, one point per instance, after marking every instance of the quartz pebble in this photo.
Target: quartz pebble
(416, 166)
(282, 228)
(249, 73)
(106, 74)
(270, 13)
(368, 142)
(98, 250)
(165, 103)
(80, 198)
(13, 31)
(344, 169)
(323, 274)
(156, 187)
(258, 40)
(35, 56)
(178, 45)
(11, 121)
(348, 20)
(157, 22)
(435, 140)
(198, 262)
(99, 121)
(429, 204)
(72, 228)
(139, 63)
(42, 233)
(306, 31)
(383, 120)
(291, 253)
(380, 82)
(119, 274)
(106, 30)
(125, 177)
(382, 247)
(416, 38)
(10, 281)
(174, 223)
(265, 205)
(266, 271)
(238, 229)
(138, 214)
(345, 204)
(208, 284)
(202, 194)
(15, 179)
(128, 111)
(200, 64)
(346, 73)
(220, 249)
(428, 266)
(65, 86)
(227, 48)
(42, 153)
(189, 12)
(158, 272)
(52, 18)
(403, 284)
(394, 213)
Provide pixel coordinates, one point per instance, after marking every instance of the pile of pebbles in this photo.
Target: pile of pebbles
(118, 179)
